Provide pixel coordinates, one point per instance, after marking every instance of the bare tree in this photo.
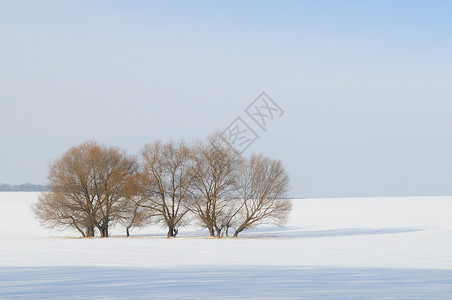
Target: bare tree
(214, 174)
(167, 182)
(229, 216)
(261, 185)
(89, 184)
(94, 186)
(55, 212)
(134, 213)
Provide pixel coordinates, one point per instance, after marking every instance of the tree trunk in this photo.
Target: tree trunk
(172, 231)
(90, 231)
(103, 231)
(103, 228)
(211, 231)
(236, 233)
(218, 230)
(127, 231)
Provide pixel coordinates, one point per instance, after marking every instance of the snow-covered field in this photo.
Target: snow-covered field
(354, 248)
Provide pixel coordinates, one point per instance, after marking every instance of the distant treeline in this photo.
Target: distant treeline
(26, 187)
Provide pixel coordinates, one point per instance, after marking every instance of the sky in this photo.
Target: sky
(365, 86)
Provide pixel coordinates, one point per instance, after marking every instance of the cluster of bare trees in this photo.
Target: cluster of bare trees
(173, 184)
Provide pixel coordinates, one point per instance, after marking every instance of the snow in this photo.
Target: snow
(351, 248)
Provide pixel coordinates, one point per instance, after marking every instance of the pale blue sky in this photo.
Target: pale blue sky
(366, 86)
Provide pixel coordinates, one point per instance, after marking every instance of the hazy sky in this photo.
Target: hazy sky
(366, 87)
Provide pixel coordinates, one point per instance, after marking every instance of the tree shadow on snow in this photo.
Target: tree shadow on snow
(297, 232)
(223, 282)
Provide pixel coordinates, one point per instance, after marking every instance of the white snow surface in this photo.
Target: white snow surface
(350, 248)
